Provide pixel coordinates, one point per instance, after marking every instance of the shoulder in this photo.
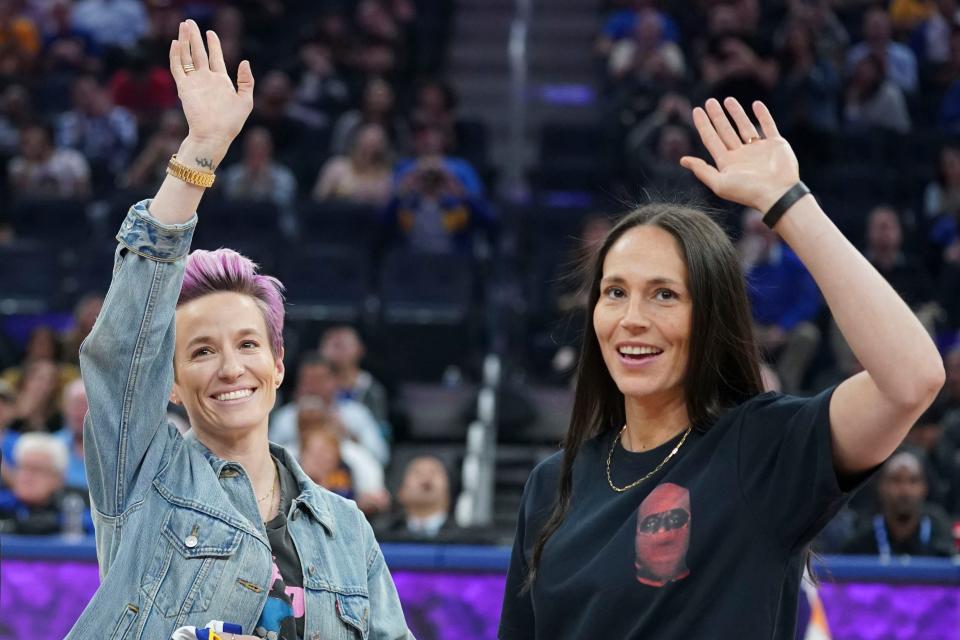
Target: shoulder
(779, 411)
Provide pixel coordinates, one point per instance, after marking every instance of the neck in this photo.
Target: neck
(651, 421)
(251, 451)
(348, 376)
(424, 510)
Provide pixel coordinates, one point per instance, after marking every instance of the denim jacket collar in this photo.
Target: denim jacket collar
(311, 496)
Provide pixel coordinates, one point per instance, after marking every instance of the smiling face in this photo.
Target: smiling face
(643, 317)
(226, 374)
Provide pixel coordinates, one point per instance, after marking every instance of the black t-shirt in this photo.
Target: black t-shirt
(283, 615)
(711, 546)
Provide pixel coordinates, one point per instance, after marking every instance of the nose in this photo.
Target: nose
(635, 317)
(230, 367)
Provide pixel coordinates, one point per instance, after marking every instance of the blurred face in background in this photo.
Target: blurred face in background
(320, 454)
(74, 407)
(902, 487)
(884, 234)
(36, 479)
(342, 347)
(425, 485)
(317, 380)
(370, 147)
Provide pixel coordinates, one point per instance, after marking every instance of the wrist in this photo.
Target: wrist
(202, 154)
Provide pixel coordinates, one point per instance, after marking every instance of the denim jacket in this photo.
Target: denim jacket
(179, 537)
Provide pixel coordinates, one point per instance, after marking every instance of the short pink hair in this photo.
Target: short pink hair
(226, 270)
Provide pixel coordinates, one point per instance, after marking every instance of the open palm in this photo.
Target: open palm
(214, 109)
(750, 170)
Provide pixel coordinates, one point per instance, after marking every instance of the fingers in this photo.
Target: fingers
(197, 51)
(744, 126)
(708, 135)
(705, 173)
(245, 80)
(722, 125)
(217, 64)
(176, 65)
(765, 119)
(183, 40)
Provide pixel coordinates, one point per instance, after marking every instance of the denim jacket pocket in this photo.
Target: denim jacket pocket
(354, 611)
(188, 563)
(351, 604)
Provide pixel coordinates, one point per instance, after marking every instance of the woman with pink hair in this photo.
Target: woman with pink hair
(217, 524)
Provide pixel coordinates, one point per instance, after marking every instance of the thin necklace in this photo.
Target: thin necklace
(659, 466)
(273, 486)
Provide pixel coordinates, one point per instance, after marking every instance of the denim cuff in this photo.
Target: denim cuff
(142, 234)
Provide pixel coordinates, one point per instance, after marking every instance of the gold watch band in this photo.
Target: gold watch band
(195, 177)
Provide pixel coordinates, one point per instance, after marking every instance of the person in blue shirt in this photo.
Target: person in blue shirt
(784, 300)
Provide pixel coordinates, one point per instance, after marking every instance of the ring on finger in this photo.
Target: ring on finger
(752, 139)
(187, 68)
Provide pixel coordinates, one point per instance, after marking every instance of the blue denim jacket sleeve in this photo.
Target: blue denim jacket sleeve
(386, 615)
(127, 368)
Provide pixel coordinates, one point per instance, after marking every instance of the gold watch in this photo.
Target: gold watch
(195, 177)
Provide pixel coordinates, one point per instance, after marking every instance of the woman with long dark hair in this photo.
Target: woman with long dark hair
(684, 498)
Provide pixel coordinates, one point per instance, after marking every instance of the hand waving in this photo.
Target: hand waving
(215, 111)
(750, 170)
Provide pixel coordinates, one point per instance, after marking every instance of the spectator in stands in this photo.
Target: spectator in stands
(321, 460)
(317, 386)
(84, 315)
(737, 60)
(150, 167)
(434, 212)
(931, 39)
(326, 449)
(257, 176)
(431, 145)
(42, 171)
(32, 504)
(73, 407)
(905, 272)
(896, 61)
(647, 48)
(16, 112)
(8, 413)
(275, 110)
(37, 397)
(942, 195)
(143, 87)
(808, 94)
(907, 15)
(19, 40)
(365, 176)
(907, 524)
(112, 23)
(424, 497)
(319, 86)
(873, 101)
(829, 36)
(67, 49)
(377, 106)
(654, 147)
(103, 132)
(622, 24)
(942, 458)
(344, 350)
(784, 300)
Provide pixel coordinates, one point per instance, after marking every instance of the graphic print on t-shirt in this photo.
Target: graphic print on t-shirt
(663, 535)
(285, 605)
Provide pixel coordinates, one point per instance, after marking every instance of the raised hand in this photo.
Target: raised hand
(214, 109)
(751, 170)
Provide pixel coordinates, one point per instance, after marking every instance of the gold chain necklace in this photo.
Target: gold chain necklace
(659, 466)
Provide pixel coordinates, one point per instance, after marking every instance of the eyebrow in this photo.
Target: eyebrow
(657, 280)
(241, 332)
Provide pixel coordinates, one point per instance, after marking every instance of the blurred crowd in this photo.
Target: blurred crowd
(351, 108)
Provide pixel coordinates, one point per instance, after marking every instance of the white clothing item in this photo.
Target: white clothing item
(356, 418)
(429, 526)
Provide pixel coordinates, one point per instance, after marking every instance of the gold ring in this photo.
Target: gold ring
(751, 140)
(187, 68)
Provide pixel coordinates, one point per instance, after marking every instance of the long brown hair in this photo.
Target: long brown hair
(724, 363)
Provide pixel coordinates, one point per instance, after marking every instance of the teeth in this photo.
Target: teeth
(639, 351)
(234, 395)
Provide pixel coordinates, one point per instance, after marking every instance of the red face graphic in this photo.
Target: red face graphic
(663, 535)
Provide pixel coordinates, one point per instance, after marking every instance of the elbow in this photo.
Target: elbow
(925, 385)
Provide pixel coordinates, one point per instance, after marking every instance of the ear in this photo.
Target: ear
(278, 363)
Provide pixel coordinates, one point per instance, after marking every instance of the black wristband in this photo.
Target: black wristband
(786, 201)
